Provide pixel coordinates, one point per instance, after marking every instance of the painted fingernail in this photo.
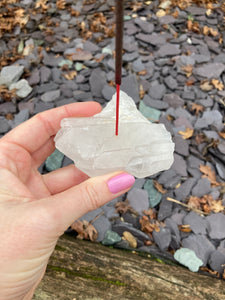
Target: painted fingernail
(120, 183)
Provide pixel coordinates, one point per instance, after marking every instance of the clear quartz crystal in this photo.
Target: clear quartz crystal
(142, 148)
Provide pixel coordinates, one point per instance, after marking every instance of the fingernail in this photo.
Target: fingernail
(120, 183)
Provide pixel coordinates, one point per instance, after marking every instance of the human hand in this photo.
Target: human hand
(36, 209)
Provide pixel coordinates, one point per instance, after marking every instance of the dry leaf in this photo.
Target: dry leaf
(197, 108)
(85, 230)
(141, 92)
(206, 86)
(123, 206)
(142, 73)
(70, 75)
(184, 228)
(61, 4)
(189, 25)
(222, 134)
(217, 84)
(159, 187)
(194, 202)
(188, 70)
(188, 133)
(210, 31)
(209, 173)
(160, 13)
(41, 4)
(209, 204)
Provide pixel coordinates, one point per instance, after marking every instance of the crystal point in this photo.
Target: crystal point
(142, 148)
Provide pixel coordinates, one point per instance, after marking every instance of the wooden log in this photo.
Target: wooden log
(81, 270)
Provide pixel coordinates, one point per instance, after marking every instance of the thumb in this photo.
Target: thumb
(64, 208)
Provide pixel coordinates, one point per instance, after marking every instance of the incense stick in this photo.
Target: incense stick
(119, 48)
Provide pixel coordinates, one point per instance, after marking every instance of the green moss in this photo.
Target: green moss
(94, 278)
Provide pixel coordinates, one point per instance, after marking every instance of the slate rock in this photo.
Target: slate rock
(138, 66)
(154, 39)
(4, 125)
(154, 195)
(165, 207)
(51, 96)
(89, 46)
(170, 82)
(216, 226)
(178, 217)
(168, 50)
(194, 162)
(10, 74)
(200, 245)
(111, 238)
(203, 187)
(179, 165)
(145, 26)
(175, 233)
(184, 190)
(156, 90)
(46, 87)
(188, 258)
(21, 117)
(139, 182)
(97, 82)
(221, 146)
(128, 57)
(102, 225)
(81, 55)
(54, 161)
(181, 146)
(212, 117)
(51, 60)
(169, 179)
(217, 260)
(22, 88)
(34, 79)
(210, 70)
(91, 215)
(157, 104)
(123, 226)
(108, 92)
(82, 96)
(162, 238)
(198, 224)
(220, 168)
(130, 86)
(42, 106)
(138, 199)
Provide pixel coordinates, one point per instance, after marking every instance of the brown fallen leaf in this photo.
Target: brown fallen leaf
(197, 108)
(184, 228)
(209, 173)
(211, 205)
(85, 230)
(217, 84)
(188, 69)
(194, 202)
(206, 86)
(222, 134)
(159, 187)
(188, 133)
(70, 75)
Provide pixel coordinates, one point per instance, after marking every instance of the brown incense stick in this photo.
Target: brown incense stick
(119, 49)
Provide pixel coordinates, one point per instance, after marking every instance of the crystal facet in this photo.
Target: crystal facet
(142, 148)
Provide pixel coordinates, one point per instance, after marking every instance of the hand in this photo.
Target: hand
(36, 209)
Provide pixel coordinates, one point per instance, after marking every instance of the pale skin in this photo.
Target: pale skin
(36, 209)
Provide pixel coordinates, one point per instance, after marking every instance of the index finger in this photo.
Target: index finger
(32, 134)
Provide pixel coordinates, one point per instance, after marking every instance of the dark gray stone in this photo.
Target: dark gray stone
(130, 86)
(4, 125)
(102, 225)
(194, 162)
(173, 100)
(34, 79)
(51, 96)
(138, 66)
(154, 39)
(51, 60)
(212, 117)
(200, 245)
(145, 26)
(51, 86)
(156, 90)
(184, 190)
(170, 82)
(181, 146)
(97, 82)
(221, 146)
(128, 57)
(162, 238)
(21, 117)
(203, 187)
(138, 199)
(167, 19)
(178, 217)
(216, 226)
(108, 92)
(210, 70)
(175, 233)
(123, 226)
(217, 260)
(168, 50)
(91, 215)
(42, 106)
(220, 170)
(165, 207)
(158, 104)
(89, 46)
(179, 165)
(7, 108)
(198, 224)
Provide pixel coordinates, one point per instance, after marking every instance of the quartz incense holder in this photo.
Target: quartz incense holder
(142, 148)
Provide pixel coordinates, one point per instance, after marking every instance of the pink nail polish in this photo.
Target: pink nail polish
(120, 183)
